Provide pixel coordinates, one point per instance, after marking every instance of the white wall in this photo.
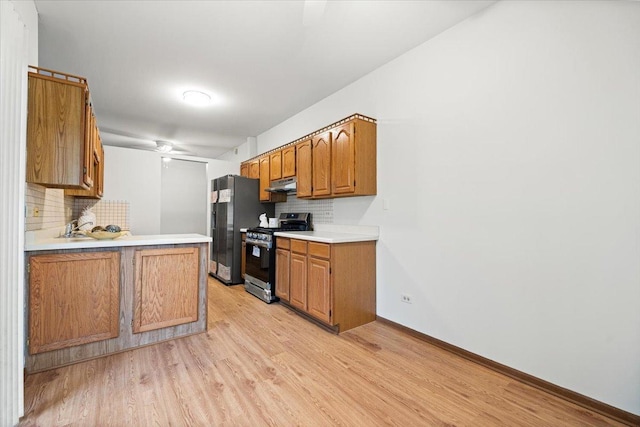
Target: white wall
(18, 48)
(241, 152)
(135, 176)
(508, 151)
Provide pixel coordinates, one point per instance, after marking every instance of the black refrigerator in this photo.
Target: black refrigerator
(235, 204)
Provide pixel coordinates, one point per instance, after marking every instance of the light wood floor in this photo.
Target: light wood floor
(262, 365)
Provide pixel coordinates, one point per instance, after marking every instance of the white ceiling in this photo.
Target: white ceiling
(265, 60)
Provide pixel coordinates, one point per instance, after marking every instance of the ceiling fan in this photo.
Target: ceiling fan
(127, 140)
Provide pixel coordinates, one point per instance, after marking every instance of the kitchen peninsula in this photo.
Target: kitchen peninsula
(89, 298)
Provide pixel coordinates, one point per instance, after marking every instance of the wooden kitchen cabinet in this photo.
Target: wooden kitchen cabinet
(289, 161)
(265, 181)
(283, 257)
(254, 169)
(275, 166)
(59, 130)
(333, 283)
(298, 274)
(73, 299)
(321, 165)
(353, 159)
(265, 173)
(318, 282)
(85, 303)
(303, 169)
(244, 170)
(97, 165)
(336, 161)
(166, 288)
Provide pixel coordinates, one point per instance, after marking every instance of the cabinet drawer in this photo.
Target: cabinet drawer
(320, 250)
(282, 243)
(299, 246)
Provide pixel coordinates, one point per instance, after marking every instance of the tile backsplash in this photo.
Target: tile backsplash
(50, 208)
(321, 210)
(107, 211)
(46, 208)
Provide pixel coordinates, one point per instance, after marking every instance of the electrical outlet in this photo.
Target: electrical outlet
(406, 298)
(36, 212)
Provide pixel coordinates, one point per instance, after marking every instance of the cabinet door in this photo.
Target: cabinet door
(264, 178)
(343, 154)
(89, 145)
(298, 281)
(282, 273)
(73, 299)
(254, 169)
(319, 289)
(276, 165)
(99, 184)
(244, 170)
(321, 170)
(303, 169)
(56, 134)
(166, 288)
(289, 161)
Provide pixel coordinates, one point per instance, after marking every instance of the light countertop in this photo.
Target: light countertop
(332, 233)
(58, 243)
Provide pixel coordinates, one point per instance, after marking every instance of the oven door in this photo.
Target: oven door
(258, 260)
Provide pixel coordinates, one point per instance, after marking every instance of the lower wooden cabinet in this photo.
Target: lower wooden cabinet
(73, 299)
(87, 303)
(333, 283)
(298, 280)
(166, 288)
(282, 269)
(319, 288)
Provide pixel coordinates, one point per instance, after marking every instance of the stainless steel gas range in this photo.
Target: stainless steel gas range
(260, 270)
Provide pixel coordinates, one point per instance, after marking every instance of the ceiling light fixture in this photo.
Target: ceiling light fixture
(197, 98)
(164, 146)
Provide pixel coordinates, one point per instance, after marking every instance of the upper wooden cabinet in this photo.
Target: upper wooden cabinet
(289, 161)
(59, 130)
(303, 169)
(254, 169)
(353, 159)
(96, 162)
(244, 170)
(336, 161)
(275, 160)
(321, 165)
(265, 173)
(265, 181)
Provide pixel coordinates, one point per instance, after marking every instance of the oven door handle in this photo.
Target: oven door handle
(259, 243)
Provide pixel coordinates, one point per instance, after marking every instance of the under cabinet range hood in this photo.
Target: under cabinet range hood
(285, 185)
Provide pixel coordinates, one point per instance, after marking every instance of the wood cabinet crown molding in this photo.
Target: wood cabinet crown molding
(312, 134)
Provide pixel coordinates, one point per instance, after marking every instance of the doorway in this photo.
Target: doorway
(183, 197)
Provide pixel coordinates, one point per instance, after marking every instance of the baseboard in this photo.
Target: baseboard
(561, 392)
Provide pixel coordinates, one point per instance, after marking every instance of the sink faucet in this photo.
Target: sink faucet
(69, 229)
